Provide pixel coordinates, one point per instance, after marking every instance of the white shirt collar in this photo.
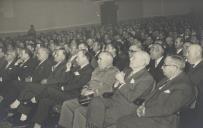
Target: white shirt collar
(175, 76)
(179, 50)
(196, 63)
(97, 53)
(158, 61)
(9, 63)
(136, 70)
(81, 67)
(41, 62)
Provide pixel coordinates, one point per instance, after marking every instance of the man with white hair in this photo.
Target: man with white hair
(134, 85)
(172, 95)
(194, 57)
(102, 80)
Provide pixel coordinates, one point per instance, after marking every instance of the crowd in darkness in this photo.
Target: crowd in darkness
(144, 73)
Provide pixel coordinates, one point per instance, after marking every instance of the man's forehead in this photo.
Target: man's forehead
(136, 55)
(133, 47)
(80, 53)
(101, 55)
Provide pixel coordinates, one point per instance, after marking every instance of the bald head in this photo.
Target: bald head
(42, 53)
(156, 51)
(194, 53)
(105, 59)
(139, 59)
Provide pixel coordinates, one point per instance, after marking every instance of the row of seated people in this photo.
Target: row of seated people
(119, 67)
(137, 101)
(51, 81)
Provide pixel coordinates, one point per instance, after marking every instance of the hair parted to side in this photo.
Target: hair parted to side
(144, 55)
(178, 61)
(108, 56)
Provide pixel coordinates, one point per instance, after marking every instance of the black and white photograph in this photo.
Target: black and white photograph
(101, 63)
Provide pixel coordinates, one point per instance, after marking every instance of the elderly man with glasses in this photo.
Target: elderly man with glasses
(135, 84)
(172, 95)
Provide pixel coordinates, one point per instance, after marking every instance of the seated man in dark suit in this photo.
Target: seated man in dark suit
(8, 73)
(102, 80)
(157, 60)
(24, 67)
(179, 46)
(35, 90)
(2, 57)
(25, 64)
(76, 79)
(134, 85)
(41, 72)
(194, 57)
(161, 108)
(96, 50)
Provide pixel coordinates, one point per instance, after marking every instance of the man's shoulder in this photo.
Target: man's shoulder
(143, 74)
(200, 65)
(109, 69)
(147, 78)
(87, 69)
(113, 68)
(182, 80)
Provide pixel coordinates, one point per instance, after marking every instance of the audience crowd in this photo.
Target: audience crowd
(144, 73)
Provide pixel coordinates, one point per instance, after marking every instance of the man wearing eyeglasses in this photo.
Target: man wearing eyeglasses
(134, 48)
(134, 85)
(173, 94)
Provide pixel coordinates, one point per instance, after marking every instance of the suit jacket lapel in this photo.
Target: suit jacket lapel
(11, 65)
(58, 67)
(161, 62)
(170, 82)
(199, 65)
(135, 75)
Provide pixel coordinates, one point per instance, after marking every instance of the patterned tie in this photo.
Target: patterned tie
(163, 84)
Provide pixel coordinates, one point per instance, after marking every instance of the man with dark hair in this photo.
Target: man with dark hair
(102, 80)
(32, 32)
(70, 89)
(24, 67)
(8, 72)
(157, 60)
(96, 50)
(172, 94)
(2, 57)
(179, 46)
(25, 64)
(32, 93)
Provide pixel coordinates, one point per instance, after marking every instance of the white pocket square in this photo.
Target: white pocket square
(77, 73)
(132, 81)
(167, 91)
